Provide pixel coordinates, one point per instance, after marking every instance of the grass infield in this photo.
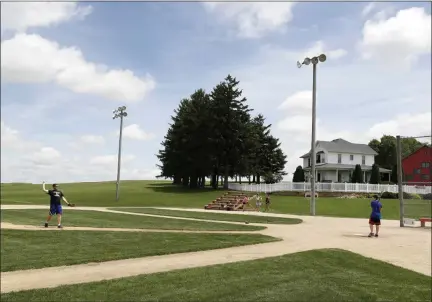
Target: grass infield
(114, 220)
(164, 194)
(319, 275)
(38, 249)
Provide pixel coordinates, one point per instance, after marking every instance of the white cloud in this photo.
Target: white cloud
(403, 37)
(46, 156)
(253, 19)
(92, 139)
(299, 102)
(19, 16)
(109, 160)
(135, 132)
(319, 47)
(23, 160)
(11, 140)
(29, 58)
(368, 9)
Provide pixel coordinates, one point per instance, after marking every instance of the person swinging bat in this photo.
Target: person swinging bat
(56, 196)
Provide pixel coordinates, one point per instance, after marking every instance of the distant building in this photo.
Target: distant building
(417, 166)
(336, 160)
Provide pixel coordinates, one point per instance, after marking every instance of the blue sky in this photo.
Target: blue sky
(61, 78)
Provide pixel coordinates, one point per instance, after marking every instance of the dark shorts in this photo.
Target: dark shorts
(55, 209)
(375, 220)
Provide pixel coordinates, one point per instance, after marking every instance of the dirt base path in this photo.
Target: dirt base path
(405, 247)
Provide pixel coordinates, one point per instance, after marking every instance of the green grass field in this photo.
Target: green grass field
(163, 194)
(37, 249)
(320, 275)
(213, 216)
(114, 220)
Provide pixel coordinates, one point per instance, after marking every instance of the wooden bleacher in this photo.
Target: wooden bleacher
(231, 201)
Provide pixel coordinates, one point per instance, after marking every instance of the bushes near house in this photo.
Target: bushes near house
(391, 195)
(427, 196)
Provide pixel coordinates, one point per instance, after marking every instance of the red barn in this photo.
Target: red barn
(417, 167)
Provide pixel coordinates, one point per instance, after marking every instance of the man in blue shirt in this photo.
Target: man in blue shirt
(375, 216)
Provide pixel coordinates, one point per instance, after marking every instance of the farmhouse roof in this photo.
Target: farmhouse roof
(343, 146)
(424, 146)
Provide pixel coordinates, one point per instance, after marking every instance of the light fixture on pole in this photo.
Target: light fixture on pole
(120, 112)
(315, 60)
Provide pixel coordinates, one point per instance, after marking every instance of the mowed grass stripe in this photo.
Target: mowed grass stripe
(319, 275)
(117, 220)
(212, 216)
(29, 249)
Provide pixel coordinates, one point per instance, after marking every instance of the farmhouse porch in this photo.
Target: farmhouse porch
(341, 173)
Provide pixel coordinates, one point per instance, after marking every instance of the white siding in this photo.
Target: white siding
(346, 159)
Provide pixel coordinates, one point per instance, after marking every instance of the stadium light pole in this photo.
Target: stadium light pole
(315, 60)
(120, 112)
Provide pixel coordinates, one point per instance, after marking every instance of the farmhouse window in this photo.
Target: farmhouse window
(425, 176)
(339, 158)
(417, 171)
(425, 165)
(363, 160)
(351, 157)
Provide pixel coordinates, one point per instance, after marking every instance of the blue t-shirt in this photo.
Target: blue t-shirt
(376, 208)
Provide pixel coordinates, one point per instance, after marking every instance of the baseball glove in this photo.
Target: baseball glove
(71, 205)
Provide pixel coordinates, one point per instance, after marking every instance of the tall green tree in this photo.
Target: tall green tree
(299, 175)
(214, 135)
(231, 117)
(375, 177)
(357, 176)
(386, 149)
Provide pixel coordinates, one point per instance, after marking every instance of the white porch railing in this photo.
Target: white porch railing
(328, 187)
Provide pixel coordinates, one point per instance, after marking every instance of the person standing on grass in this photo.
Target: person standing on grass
(375, 216)
(258, 202)
(56, 197)
(267, 202)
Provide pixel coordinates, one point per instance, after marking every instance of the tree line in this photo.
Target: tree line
(215, 135)
(386, 158)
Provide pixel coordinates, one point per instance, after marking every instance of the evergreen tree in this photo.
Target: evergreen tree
(357, 176)
(299, 175)
(375, 175)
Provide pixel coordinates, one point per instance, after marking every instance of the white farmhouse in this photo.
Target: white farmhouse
(336, 160)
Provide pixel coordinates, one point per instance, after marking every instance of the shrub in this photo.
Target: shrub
(389, 195)
(427, 196)
(415, 196)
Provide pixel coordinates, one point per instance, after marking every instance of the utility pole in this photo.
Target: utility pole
(315, 60)
(120, 112)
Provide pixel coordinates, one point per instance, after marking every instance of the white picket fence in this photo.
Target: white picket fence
(327, 187)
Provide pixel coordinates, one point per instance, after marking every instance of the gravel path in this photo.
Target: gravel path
(405, 247)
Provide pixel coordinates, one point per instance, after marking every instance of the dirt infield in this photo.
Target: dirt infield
(405, 247)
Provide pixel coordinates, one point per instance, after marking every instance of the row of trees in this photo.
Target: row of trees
(214, 135)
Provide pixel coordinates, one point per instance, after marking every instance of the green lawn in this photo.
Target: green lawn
(29, 249)
(163, 194)
(114, 220)
(320, 275)
(213, 216)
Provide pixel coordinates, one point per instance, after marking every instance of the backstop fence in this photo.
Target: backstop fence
(414, 204)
